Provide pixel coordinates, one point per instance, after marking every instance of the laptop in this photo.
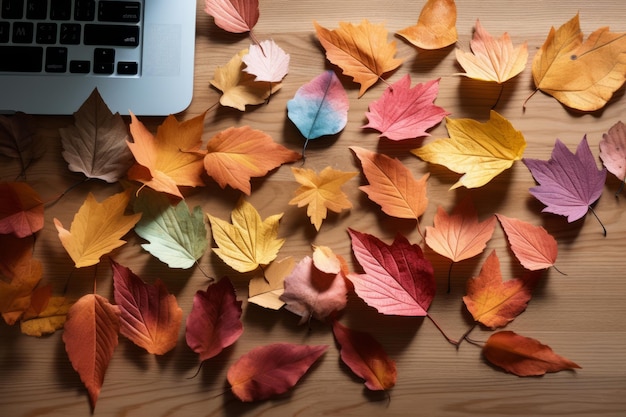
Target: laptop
(139, 54)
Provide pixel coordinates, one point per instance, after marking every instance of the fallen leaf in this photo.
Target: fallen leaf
(265, 290)
(95, 145)
(271, 370)
(237, 154)
(405, 112)
(328, 261)
(362, 51)
(235, 16)
(97, 229)
(613, 150)
(532, 245)
(581, 75)
(214, 322)
(47, 321)
(21, 209)
(366, 357)
(480, 151)
(436, 26)
(19, 140)
(321, 192)
(523, 356)
(267, 62)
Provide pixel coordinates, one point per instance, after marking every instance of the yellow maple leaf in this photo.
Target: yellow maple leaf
(97, 228)
(480, 151)
(238, 87)
(436, 26)
(361, 51)
(249, 241)
(321, 193)
(492, 59)
(581, 75)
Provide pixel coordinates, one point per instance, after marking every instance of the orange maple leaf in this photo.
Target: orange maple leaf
(436, 26)
(361, 51)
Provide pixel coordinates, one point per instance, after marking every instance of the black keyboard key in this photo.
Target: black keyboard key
(21, 58)
(36, 9)
(127, 68)
(111, 35)
(119, 11)
(85, 10)
(56, 59)
(5, 31)
(70, 34)
(23, 32)
(12, 9)
(80, 67)
(60, 9)
(103, 60)
(46, 33)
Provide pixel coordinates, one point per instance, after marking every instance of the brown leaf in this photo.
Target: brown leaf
(18, 139)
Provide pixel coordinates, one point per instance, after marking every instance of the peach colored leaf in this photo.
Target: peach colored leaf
(90, 337)
(235, 16)
(436, 26)
(491, 59)
(237, 154)
(328, 261)
(271, 370)
(267, 62)
(97, 228)
(533, 246)
(214, 322)
(265, 290)
(362, 51)
(149, 315)
(613, 150)
(494, 302)
(523, 356)
(391, 185)
(321, 192)
(21, 209)
(366, 357)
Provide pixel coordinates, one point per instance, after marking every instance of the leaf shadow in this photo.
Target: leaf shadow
(477, 98)
(65, 374)
(426, 61)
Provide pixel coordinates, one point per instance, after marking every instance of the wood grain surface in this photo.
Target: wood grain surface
(581, 315)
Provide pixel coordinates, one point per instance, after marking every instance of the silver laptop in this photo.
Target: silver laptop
(138, 53)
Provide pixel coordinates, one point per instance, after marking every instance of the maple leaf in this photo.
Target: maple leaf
(613, 150)
(177, 236)
(265, 290)
(491, 59)
(48, 320)
(533, 246)
(236, 16)
(149, 315)
(19, 140)
(523, 356)
(581, 75)
(214, 322)
(237, 154)
(249, 241)
(267, 61)
(96, 229)
(366, 357)
(90, 337)
(171, 158)
(436, 26)
(494, 302)
(96, 144)
(21, 209)
(361, 51)
(238, 87)
(404, 112)
(321, 192)
(480, 151)
(568, 183)
(398, 279)
(271, 370)
(391, 185)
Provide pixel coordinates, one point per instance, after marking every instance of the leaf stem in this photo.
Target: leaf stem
(528, 98)
(466, 335)
(598, 219)
(443, 333)
(204, 272)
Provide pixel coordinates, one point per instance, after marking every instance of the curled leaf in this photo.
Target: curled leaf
(436, 26)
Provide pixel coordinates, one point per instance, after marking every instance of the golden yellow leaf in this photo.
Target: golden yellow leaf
(97, 228)
(581, 75)
(49, 320)
(249, 241)
(265, 290)
(480, 151)
(321, 193)
(436, 26)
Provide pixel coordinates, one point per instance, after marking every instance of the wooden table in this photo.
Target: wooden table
(581, 315)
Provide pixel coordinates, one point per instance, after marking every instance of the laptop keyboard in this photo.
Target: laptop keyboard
(98, 37)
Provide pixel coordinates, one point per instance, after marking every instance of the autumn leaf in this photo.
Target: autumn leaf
(581, 75)
(492, 59)
(48, 320)
(19, 140)
(21, 209)
(237, 154)
(96, 229)
(249, 241)
(235, 16)
(171, 158)
(328, 261)
(95, 145)
(436, 26)
(523, 356)
(613, 150)
(366, 357)
(480, 151)
(271, 370)
(391, 185)
(361, 51)
(494, 302)
(398, 279)
(214, 322)
(405, 112)
(265, 290)
(90, 337)
(267, 62)
(149, 315)
(240, 88)
(321, 192)
(533, 246)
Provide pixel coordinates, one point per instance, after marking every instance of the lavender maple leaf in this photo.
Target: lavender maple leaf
(568, 183)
